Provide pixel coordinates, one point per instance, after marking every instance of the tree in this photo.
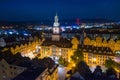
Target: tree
(83, 69)
(75, 43)
(62, 61)
(47, 62)
(111, 74)
(77, 56)
(109, 63)
(97, 72)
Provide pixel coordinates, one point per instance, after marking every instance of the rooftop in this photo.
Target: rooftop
(30, 74)
(63, 43)
(96, 50)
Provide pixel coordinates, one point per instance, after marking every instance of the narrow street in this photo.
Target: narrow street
(61, 73)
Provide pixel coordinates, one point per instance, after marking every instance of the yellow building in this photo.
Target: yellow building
(56, 46)
(99, 50)
(96, 55)
(27, 49)
(114, 45)
(96, 51)
(55, 49)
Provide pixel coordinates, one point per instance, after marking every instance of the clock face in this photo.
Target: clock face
(56, 24)
(56, 30)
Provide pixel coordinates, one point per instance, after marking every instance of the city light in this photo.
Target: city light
(65, 49)
(94, 59)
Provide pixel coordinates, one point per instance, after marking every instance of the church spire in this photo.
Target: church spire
(56, 13)
(56, 29)
(56, 23)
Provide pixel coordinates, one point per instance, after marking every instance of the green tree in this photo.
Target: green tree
(109, 63)
(111, 72)
(77, 56)
(62, 61)
(47, 62)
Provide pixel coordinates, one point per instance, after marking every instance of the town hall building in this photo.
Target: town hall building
(57, 46)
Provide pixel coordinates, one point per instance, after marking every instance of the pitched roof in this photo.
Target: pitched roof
(96, 50)
(63, 43)
(30, 74)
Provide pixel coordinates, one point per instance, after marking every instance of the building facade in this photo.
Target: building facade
(8, 72)
(96, 51)
(114, 45)
(56, 46)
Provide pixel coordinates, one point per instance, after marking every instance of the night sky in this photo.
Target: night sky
(34, 10)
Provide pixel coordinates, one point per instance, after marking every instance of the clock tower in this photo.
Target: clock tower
(56, 30)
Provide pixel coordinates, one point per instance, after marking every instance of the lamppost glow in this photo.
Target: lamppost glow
(94, 59)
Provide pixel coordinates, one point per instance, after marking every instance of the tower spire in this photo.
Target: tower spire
(56, 13)
(56, 23)
(56, 29)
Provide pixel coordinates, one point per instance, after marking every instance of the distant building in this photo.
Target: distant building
(8, 71)
(7, 41)
(12, 40)
(27, 46)
(114, 45)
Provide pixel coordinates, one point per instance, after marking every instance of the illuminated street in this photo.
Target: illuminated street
(61, 73)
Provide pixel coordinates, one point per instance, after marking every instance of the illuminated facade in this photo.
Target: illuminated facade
(95, 51)
(96, 55)
(56, 46)
(56, 30)
(55, 49)
(27, 49)
(98, 50)
(114, 45)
